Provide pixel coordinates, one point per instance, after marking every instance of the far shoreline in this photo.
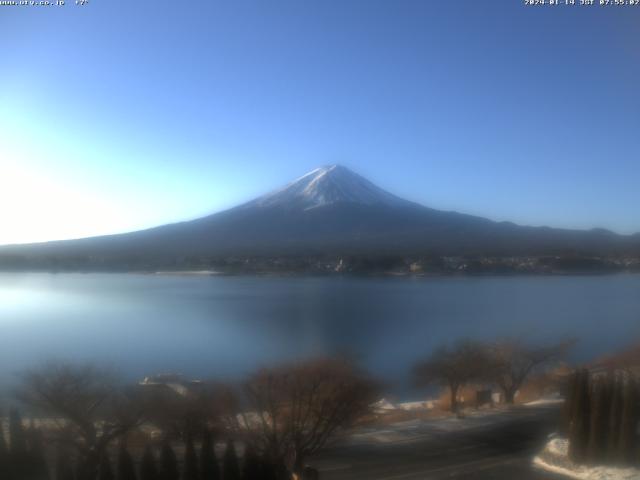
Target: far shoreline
(294, 274)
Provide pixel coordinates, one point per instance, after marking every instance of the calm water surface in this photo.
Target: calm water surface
(226, 326)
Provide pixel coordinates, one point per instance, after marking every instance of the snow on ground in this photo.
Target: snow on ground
(188, 272)
(544, 401)
(385, 406)
(420, 429)
(412, 406)
(554, 458)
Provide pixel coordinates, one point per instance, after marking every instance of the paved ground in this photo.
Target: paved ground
(498, 446)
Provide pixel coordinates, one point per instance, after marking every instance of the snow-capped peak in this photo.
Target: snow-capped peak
(328, 185)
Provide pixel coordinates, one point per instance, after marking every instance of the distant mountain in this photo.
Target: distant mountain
(331, 210)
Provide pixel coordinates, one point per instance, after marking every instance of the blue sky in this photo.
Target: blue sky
(122, 115)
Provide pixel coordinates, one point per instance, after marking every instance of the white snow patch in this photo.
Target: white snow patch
(554, 458)
(544, 401)
(384, 405)
(411, 406)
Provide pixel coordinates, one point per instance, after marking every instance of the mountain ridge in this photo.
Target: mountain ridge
(330, 211)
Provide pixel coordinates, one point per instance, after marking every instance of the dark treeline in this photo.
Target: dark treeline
(360, 263)
(90, 427)
(602, 412)
(23, 457)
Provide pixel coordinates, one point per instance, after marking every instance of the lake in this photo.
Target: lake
(207, 326)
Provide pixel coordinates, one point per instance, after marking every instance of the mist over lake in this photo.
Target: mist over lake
(225, 327)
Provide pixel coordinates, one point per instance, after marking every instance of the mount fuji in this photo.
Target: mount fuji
(331, 210)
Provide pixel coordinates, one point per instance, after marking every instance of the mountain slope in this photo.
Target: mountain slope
(332, 210)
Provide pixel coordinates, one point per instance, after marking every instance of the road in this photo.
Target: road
(483, 446)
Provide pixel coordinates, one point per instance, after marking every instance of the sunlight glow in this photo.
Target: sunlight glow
(37, 204)
(38, 208)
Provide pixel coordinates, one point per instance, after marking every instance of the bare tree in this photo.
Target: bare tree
(295, 410)
(89, 408)
(188, 414)
(454, 367)
(512, 361)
